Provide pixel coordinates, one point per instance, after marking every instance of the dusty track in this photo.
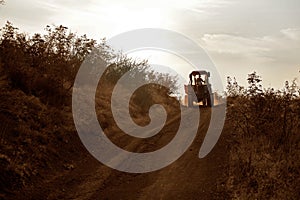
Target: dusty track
(187, 178)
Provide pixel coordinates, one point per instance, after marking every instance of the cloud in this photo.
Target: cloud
(25, 13)
(232, 44)
(208, 7)
(275, 56)
(292, 33)
(264, 46)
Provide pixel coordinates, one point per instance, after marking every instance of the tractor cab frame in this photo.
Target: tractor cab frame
(199, 89)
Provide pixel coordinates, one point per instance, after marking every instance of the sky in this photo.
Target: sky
(240, 36)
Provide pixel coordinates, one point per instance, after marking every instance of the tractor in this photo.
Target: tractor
(199, 89)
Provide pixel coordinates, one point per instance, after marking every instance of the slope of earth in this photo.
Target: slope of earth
(42, 156)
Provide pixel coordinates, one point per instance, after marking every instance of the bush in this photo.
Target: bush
(264, 144)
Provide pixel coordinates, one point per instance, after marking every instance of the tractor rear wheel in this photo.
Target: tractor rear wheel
(210, 101)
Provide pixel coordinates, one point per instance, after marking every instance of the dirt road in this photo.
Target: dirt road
(187, 178)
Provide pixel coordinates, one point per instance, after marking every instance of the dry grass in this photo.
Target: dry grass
(264, 147)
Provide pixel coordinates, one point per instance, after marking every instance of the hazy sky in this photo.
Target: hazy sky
(239, 35)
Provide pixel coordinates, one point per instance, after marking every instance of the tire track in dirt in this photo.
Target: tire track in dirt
(187, 178)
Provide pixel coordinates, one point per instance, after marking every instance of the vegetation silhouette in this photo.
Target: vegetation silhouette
(264, 140)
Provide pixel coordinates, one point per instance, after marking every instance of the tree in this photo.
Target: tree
(233, 88)
(255, 87)
(291, 90)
